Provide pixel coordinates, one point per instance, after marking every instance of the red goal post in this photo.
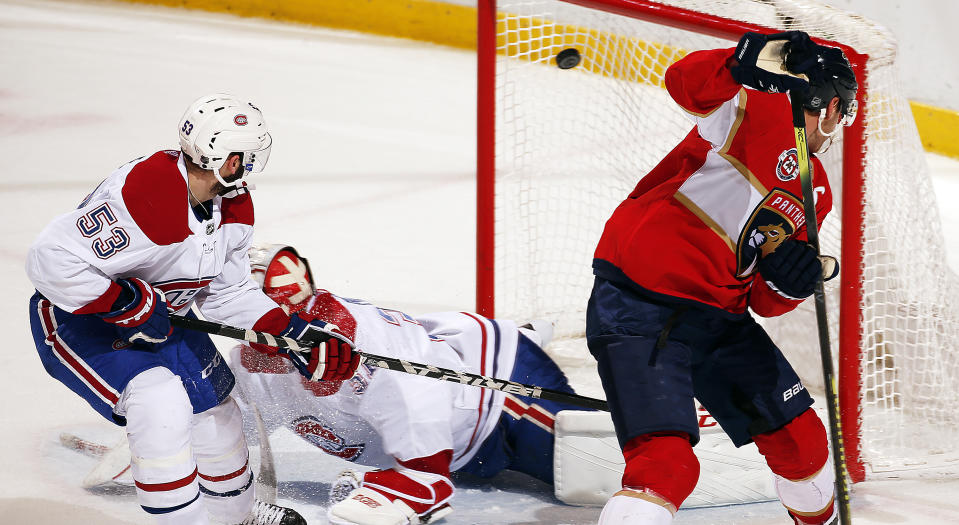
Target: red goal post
(514, 48)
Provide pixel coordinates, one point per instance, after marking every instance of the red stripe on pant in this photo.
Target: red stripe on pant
(226, 477)
(170, 485)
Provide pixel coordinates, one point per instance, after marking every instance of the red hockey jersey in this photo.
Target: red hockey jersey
(695, 226)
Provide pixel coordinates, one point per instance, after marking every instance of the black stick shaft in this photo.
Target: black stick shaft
(399, 365)
(825, 350)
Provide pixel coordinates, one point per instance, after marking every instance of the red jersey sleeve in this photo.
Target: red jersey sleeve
(700, 82)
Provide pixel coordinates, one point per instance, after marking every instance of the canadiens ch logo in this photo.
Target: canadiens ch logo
(324, 438)
(773, 221)
(240, 120)
(787, 168)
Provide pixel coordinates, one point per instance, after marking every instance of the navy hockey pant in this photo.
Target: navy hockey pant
(84, 353)
(653, 358)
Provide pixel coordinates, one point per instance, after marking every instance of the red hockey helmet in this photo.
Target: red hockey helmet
(283, 275)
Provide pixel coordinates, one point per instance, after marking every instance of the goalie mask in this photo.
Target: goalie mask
(283, 275)
(215, 126)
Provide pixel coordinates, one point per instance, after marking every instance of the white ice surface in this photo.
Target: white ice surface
(371, 176)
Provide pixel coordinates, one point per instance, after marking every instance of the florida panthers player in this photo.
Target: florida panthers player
(415, 429)
(717, 228)
(160, 234)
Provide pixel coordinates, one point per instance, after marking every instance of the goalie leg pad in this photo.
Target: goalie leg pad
(365, 506)
(396, 497)
(663, 463)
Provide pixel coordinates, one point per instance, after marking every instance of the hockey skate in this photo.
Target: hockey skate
(269, 514)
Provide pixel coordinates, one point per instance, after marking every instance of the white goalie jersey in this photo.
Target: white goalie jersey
(380, 415)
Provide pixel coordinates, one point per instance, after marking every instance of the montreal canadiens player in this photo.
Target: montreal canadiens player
(162, 233)
(714, 230)
(415, 429)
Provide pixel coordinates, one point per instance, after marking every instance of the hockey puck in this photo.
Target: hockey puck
(568, 58)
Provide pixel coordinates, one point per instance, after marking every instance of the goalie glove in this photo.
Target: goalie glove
(793, 269)
(774, 63)
(139, 313)
(331, 356)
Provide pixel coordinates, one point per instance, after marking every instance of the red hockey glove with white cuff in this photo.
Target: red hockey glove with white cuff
(331, 356)
(400, 496)
(140, 312)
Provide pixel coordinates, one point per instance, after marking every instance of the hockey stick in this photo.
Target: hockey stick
(398, 365)
(83, 446)
(266, 477)
(825, 351)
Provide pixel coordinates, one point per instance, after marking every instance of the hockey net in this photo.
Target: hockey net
(562, 148)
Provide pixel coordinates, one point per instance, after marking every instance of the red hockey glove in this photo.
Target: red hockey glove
(332, 356)
(140, 313)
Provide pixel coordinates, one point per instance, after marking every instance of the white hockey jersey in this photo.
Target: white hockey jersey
(381, 414)
(138, 223)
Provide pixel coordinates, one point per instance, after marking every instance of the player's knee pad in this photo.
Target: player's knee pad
(159, 417)
(222, 459)
(798, 450)
(661, 463)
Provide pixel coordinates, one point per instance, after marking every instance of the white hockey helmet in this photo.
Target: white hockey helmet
(216, 125)
(283, 275)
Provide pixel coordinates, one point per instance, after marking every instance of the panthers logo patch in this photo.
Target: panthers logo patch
(773, 221)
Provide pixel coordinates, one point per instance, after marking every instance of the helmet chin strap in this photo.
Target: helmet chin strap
(824, 147)
(822, 117)
(237, 183)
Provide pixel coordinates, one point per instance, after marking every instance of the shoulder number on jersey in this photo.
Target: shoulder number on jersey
(92, 223)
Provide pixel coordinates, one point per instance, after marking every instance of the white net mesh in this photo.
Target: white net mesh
(571, 144)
